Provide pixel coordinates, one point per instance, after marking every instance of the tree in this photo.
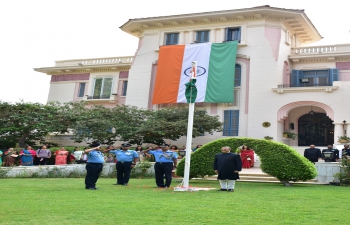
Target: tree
(104, 125)
(171, 123)
(28, 123)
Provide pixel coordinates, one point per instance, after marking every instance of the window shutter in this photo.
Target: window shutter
(228, 35)
(294, 79)
(333, 75)
(231, 122)
(226, 130)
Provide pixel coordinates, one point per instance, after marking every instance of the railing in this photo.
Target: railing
(303, 85)
(95, 61)
(321, 49)
(315, 49)
(99, 97)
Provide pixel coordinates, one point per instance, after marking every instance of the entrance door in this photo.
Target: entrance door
(315, 129)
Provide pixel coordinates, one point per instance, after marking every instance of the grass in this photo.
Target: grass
(65, 201)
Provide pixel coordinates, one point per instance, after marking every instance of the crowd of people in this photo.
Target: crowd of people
(330, 154)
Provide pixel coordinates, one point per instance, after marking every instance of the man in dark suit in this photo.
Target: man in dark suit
(330, 154)
(227, 165)
(313, 154)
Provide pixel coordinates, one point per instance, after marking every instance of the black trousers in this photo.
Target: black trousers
(161, 170)
(37, 161)
(123, 172)
(93, 171)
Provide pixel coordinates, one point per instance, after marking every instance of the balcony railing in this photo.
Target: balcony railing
(99, 97)
(303, 85)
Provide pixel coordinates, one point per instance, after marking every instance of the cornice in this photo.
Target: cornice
(295, 20)
(327, 89)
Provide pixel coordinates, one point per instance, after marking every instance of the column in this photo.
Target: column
(182, 38)
(190, 37)
(222, 35)
(212, 36)
(338, 131)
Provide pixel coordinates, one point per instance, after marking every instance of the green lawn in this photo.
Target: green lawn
(65, 201)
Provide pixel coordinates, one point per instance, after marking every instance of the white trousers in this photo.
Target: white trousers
(227, 184)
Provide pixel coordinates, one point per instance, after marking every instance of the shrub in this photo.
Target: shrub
(277, 159)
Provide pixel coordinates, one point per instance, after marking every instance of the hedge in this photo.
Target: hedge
(277, 159)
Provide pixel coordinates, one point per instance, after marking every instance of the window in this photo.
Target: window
(313, 78)
(81, 90)
(237, 75)
(231, 121)
(124, 87)
(102, 88)
(233, 34)
(172, 39)
(202, 36)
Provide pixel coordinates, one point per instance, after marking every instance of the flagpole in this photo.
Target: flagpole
(189, 132)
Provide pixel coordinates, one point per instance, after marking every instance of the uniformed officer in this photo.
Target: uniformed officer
(332, 156)
(166, 161)
(126, 160)
(94, 166)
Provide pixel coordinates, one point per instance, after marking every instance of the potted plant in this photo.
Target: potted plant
(269, 138)
(343, 139)
(290, 135)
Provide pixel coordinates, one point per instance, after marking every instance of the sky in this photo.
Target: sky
(36, 33)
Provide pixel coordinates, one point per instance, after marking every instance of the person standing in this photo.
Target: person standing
(166, 161)
(333, 154)
(77, 155)
(227, 165)
(247, 157)
(94, 166)
(27, 156)
(42, 155)
(10, 157)
(313, 154)
(126, 160)
(61, 156)
(346, 151)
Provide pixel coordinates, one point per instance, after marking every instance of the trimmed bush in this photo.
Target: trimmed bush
(277, 159)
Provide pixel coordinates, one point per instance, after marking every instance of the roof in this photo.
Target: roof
(290, 17)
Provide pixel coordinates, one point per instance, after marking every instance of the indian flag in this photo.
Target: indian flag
(215, 72)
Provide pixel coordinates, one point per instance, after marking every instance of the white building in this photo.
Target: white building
(278, 79)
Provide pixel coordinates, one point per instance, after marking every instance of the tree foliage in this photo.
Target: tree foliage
(171, 123)
(27, 123)
(277, 159)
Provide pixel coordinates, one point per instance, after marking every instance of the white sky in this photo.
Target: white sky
(35, 33)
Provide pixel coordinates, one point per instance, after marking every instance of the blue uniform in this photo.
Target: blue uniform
(163, 166)
(125, 156)
(124, 162)
(93, 167)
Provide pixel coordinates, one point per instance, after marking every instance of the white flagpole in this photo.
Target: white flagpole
(189, 132)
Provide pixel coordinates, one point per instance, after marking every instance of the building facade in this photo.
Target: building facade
(280, 83)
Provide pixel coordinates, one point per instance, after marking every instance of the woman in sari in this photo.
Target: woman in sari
(61, 156)
(247, 156)
(10, 157)
(26, 157)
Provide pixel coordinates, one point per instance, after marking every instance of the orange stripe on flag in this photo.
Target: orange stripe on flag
(168, 75)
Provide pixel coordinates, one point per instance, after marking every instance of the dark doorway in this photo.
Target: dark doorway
(315, 129)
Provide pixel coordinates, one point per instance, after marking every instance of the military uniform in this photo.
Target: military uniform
(124, 162)
(93, 167)
(163, 166)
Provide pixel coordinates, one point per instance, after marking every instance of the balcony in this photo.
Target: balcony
(102, 98)
(322, 52)
(304, 87)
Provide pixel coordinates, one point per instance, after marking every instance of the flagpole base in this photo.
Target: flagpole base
(192, 189)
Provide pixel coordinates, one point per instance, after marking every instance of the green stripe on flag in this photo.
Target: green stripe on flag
(221, 75)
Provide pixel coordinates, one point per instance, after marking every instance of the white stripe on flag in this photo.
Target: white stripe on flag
(201, 54)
